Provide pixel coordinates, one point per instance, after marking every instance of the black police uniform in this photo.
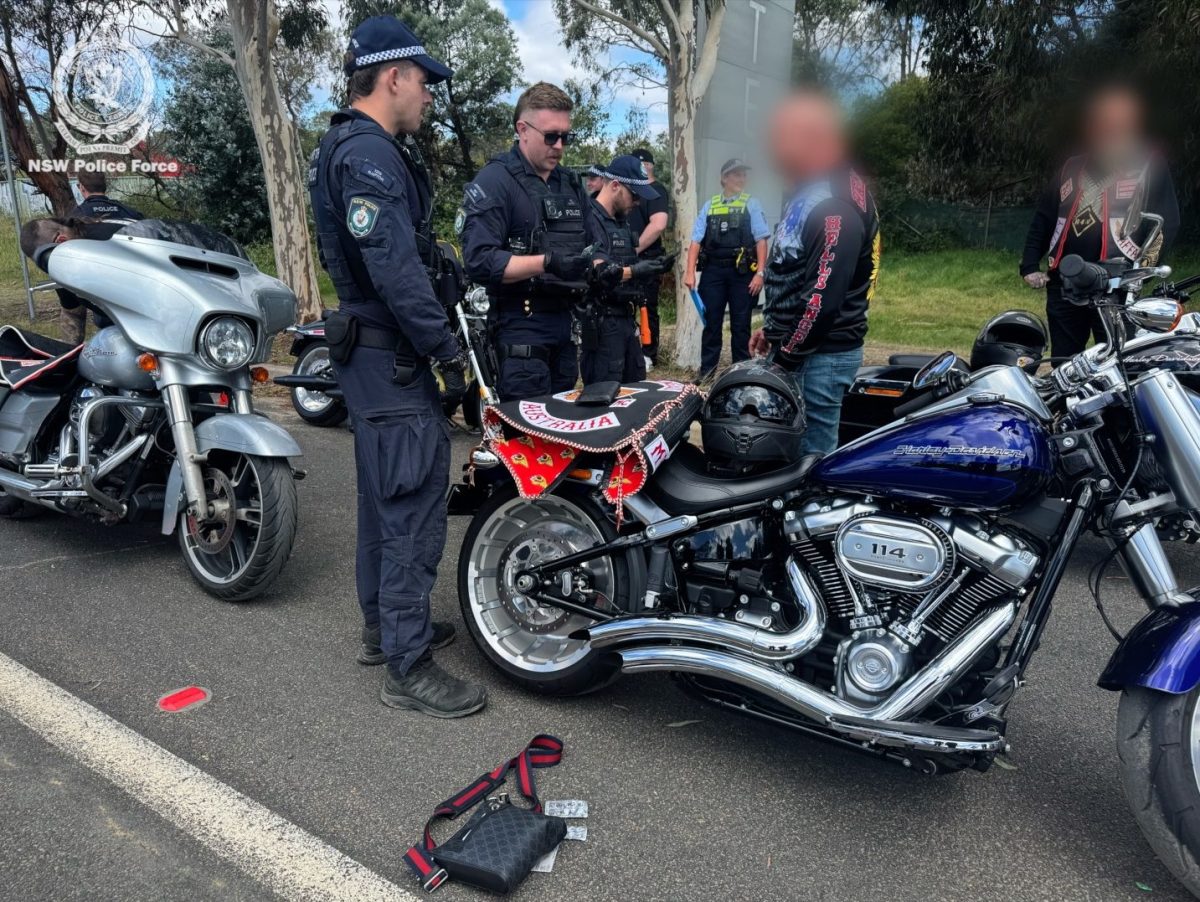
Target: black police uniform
(639, 218)
(610, 337)
(101, 206)
(372, 205)
(509, 210)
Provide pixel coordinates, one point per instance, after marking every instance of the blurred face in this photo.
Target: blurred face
(806, 138)
(532, 130)
(593, 183)
(734, 182)
(1114, 123)
(649, 167)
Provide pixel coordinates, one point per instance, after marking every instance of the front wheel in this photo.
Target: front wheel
(315, 407)
(1158, 738)
(526, 640)
(238, 550)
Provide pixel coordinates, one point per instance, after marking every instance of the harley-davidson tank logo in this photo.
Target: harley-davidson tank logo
(1189, 360)
(955, 451)
(535, 414)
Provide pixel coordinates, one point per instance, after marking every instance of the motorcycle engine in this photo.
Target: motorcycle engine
(899, 586)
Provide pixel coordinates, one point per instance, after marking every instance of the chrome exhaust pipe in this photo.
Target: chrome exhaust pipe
(757, 643)
(918, 691)
(19, 487)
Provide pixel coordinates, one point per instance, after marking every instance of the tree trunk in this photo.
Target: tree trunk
(55, 185)
(688, 325)
(254, 25)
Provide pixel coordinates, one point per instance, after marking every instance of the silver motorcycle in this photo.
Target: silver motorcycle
(153, 416)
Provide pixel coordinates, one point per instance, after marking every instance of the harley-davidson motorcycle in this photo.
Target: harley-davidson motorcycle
(153, 415)
(889, 595)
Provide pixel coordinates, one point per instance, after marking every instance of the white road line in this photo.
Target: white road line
(276, 852)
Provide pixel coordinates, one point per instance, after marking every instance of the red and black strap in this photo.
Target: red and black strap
(543, 750)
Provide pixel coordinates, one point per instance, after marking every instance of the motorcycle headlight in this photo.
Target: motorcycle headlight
(227, 343)
(478, 301)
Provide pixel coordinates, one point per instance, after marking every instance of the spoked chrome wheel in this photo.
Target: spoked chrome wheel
(525, 638)
(316, 407)
(238, 546)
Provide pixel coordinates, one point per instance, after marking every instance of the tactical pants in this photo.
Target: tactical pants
(552, 364)
(402, 457)
(721, 287)
(618, 353)
(650, 288)
(1069, 323)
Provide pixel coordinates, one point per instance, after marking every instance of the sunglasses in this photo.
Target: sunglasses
(552, 138)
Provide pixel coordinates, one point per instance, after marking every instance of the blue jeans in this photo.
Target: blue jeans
(825, 378)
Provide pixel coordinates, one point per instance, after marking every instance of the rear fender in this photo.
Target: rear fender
(245, 433)
(1161, 652)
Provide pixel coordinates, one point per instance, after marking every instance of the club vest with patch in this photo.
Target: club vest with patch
(727, 229)
(1086, 203)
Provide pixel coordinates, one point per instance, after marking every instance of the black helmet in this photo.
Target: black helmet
(753, 416)
(1012, 338)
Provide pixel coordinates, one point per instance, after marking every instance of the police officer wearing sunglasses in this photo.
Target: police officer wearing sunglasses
(525, 235)
(372, 204)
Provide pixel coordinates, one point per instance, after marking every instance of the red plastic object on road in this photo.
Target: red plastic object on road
(181, 699)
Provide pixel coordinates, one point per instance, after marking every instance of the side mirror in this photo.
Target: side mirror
(934, 371)
(1155, 314)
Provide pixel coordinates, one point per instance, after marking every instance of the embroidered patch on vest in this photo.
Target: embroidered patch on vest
(1065, 191)
(361, 216)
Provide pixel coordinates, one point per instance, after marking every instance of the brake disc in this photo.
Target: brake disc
(535, 546)
(213, 534)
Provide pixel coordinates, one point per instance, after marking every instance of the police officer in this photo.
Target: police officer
(649, 221)
(372, 205)
(610, 337)
(729, 243)
(524, 235)
(96, 204)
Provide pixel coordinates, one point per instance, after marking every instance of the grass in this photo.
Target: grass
(924, 302)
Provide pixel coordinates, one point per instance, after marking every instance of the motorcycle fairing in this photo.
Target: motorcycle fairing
(1161, 652)
(636, 433)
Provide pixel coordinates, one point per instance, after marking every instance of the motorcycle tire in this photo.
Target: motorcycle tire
(507, 520)
(316, 408)
(272, 540)
(1158, 739)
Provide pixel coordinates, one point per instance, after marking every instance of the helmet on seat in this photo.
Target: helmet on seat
(1012, 338)
(754, 417)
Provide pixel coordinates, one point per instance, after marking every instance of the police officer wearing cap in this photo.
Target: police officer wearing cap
(729, 244)
(649, 221)
(372, 203)
(524, 233)
(610, 343)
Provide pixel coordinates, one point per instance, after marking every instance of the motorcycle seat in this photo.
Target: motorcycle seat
(683, 484)
(26, 357)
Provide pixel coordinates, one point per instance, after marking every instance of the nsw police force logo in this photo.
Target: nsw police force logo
(103, 89)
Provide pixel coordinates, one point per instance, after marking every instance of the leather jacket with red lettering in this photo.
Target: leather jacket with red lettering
(822, 269)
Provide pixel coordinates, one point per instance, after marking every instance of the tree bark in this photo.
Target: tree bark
(55, 185)
(254, 25)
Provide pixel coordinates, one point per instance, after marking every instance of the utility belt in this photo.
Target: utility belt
(560, 302)
(744, 260)
(345, 333)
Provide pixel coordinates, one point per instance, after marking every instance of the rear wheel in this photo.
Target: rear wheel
(524, 639)
(239, 550)
(316, 407)
(1158, 738)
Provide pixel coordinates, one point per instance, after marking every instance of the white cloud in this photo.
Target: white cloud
(540, 42)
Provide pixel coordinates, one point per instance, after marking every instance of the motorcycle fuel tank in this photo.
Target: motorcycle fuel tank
(992, 455)
(110, 360)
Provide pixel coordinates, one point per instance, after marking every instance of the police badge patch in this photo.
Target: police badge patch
(460, 219)
(361, 216)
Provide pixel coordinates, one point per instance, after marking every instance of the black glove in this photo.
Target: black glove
(566, 267)
(608, 274)
(654, 267)
(454, 380)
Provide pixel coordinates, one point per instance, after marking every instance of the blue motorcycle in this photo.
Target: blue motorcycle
(888, 596)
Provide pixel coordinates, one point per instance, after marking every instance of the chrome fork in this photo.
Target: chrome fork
(179, 415)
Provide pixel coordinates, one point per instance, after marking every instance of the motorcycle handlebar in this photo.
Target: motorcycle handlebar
(1081, 277)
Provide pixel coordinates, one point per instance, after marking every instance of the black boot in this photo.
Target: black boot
(371, 654)
(429, 689)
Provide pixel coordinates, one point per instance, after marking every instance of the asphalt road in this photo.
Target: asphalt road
(687, 801)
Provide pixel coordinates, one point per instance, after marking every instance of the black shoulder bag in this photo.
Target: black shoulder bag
(499, 845)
